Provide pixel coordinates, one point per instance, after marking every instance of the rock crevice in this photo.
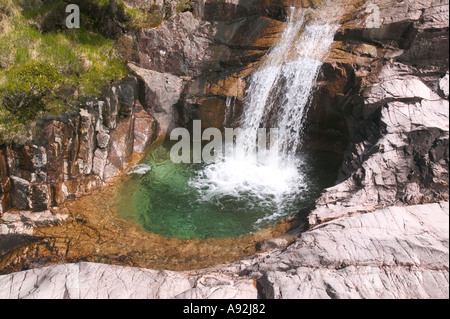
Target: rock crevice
(72, 157)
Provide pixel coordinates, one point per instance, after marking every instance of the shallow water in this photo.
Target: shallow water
(225, 199)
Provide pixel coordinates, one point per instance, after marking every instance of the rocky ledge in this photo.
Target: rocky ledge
(382, 99)
(396, 252)
(72, 156)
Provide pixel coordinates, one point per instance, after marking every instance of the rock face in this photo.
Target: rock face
(395, 111)
(382, 99)
(162, 93)
(97, 281)
(76, 155)
(397, 252)
(191, 67)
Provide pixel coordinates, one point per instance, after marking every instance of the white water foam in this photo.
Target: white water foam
(140, 169)
(278, 96)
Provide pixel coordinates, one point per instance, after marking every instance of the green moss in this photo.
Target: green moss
(139, 19)
(184, 5)
(29, 88)
(46, 71)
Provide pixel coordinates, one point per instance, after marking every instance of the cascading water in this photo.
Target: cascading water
(242, 190)
(279, 93)
(277, 97)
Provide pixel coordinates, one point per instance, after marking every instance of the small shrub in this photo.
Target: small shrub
(28, 89)
(126, 49)
(141, 19)
(184, 5)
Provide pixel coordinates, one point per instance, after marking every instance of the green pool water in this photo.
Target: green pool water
(198, 201)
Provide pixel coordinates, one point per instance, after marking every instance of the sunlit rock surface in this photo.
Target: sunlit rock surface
(98, 281)
(382, 232)
(396, 252)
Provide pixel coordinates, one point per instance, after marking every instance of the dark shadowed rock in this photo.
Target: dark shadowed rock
(20, 192)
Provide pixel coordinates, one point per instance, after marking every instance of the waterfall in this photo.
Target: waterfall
(278, 94)
(277, 97)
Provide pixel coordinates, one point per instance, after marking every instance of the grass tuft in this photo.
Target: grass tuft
(48, 71)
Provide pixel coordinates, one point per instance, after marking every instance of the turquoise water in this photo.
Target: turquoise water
(174, 200)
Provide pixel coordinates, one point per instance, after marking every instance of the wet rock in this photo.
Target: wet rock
(120, 149)
(145, 128)
(211, 112)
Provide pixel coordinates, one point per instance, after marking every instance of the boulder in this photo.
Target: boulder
(162, 93)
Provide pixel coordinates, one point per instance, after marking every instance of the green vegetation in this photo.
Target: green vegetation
(184, 5)
(30, 88)
(49, 70)
(138, 19)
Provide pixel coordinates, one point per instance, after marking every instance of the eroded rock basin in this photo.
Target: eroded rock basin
(94, 232)
(229, 197)
(97, 229)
